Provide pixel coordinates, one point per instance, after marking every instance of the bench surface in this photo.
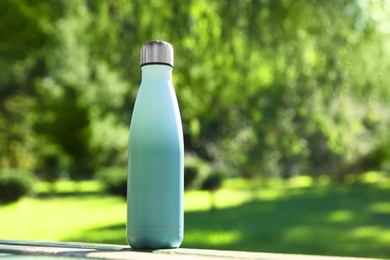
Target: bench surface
(30, 250)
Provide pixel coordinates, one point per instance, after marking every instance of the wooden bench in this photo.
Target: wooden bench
(58, 250)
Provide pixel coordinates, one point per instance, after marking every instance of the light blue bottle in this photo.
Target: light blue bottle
(156, 156)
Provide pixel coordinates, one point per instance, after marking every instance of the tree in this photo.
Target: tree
(271, 88)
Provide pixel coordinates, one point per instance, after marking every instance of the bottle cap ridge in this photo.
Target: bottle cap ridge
(156, 52)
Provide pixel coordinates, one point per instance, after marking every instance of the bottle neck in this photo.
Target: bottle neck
(156, 72)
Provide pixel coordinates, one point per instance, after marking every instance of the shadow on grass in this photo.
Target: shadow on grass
(45, 195)
(353, 221)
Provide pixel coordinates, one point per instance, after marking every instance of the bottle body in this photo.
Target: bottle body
(155, 164)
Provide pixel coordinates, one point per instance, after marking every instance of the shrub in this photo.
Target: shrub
(14, 184)
(195, 172)
(191, 172)
(213, 181)
(114, 180)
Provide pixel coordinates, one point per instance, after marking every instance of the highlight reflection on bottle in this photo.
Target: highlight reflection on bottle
(155, 216)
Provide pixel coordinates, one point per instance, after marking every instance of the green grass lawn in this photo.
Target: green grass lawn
(326, 220)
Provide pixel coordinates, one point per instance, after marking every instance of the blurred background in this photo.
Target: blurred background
(285, 107)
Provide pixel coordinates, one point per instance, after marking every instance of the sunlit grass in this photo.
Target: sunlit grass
(67, 186)
(340, 216)
(200, 200)
(294, 217)
(219, 238)
(380, 207)
(58, 218)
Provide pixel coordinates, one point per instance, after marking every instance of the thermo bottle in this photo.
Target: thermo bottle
(156, 156)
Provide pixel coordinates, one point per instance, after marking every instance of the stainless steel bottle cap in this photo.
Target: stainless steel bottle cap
(157, 52)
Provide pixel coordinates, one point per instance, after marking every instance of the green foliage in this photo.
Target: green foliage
(14, 184)
(17, 138)
(114, 179)
(53, 161)
(271, 88)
